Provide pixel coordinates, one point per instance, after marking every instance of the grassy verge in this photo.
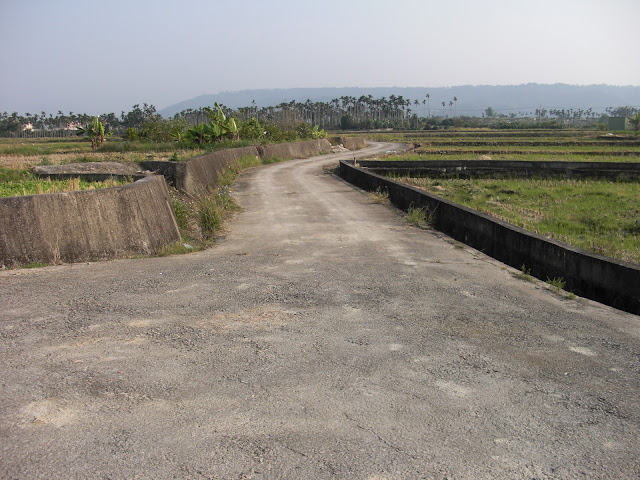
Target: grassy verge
(597, 215)
(15, 183)
(201, 217)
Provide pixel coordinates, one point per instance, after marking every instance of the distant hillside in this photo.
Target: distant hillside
(472, 100)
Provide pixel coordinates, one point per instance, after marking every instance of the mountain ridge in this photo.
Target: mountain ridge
(472, 99)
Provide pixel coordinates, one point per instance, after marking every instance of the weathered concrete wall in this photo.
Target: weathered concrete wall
(116, 222)
(600, 278)
(89, 225)
(201, 173)
(350, 143)
(506, 168)
(304, 149)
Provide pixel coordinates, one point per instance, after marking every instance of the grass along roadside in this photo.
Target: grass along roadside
(15, 183)
(556, 284)
(201, 217)
(599, 216)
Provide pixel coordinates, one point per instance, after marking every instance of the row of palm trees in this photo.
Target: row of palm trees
(394, 111)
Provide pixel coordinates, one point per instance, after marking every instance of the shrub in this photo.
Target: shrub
(131, 134)
(209, 214)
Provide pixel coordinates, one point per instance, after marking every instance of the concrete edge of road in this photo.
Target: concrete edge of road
(596, 277)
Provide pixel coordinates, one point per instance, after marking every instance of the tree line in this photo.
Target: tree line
(344, 113)
(68, 123)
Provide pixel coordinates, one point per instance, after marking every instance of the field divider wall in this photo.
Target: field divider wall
(117, 222)
(599, 278)
(87, 225)
(505, 168)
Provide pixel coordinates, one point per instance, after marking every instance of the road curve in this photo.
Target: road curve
(323, 337)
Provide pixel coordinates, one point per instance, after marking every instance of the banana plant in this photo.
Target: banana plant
(220, 125)
(315, 133)
(95, 131)
(197, 134)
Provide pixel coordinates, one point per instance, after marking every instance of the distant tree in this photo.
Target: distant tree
(157, 129)
(137, 116)
(490, 112)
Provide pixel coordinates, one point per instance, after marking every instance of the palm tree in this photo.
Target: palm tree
(428, 106)
(455, 106)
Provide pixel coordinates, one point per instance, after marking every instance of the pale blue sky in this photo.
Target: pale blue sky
(99, 57)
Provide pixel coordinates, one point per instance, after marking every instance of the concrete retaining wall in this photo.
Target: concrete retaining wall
(304, 149)
(506, 168)
(88, 225)
(116, 222)
(350, 143)
(597, 277)
(201, 173)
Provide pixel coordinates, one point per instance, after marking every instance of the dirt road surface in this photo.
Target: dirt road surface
(324, 337)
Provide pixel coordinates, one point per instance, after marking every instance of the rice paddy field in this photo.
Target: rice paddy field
(14, 183)
(20, 153)
(547, 145)
(18, 156)
(599, 216)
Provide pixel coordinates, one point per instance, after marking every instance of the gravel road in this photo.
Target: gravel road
(323, 337)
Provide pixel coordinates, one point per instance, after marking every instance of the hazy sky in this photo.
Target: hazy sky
(105, 56)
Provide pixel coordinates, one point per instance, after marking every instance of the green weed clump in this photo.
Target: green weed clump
(34, 265)
(420, 217)
(379, 196)
(200, 217)
(524, 274)
(210, 215)
(557, 283)
(177, 248)
(269, 160)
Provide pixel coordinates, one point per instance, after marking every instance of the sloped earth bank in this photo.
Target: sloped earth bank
(324, 337)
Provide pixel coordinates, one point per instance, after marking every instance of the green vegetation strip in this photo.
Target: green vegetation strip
(14, 183)
(536, 149)
(599, 216)
(529, 157)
